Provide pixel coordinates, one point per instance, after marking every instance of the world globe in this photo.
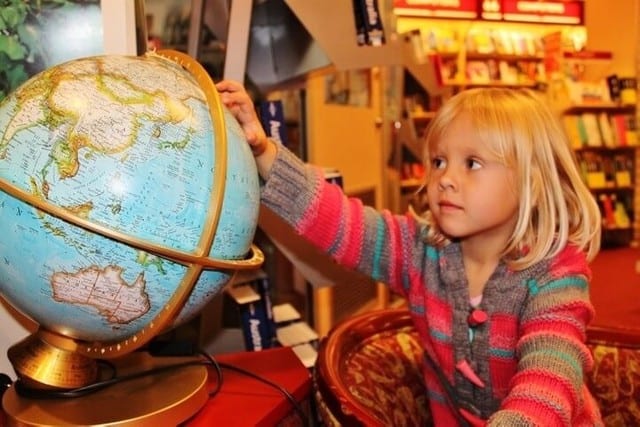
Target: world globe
(128, 200)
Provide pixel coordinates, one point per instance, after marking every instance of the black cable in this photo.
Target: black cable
(35, 393)
(184, 349)
(289, 396)
(5, 383)
(218, 370)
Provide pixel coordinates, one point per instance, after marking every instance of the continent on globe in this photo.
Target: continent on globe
(105, 290)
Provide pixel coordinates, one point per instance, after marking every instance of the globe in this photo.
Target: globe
(128, 200)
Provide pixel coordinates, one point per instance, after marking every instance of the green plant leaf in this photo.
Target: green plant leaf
(14, 16)
(17, 76)
(12, 48)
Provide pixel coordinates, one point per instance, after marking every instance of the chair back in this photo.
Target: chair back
(369, 372)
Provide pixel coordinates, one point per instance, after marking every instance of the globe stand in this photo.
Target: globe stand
(44, 360)
(166, 398)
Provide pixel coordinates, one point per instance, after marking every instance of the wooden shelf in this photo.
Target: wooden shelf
(491, 84)
(610, 189)
(605, 149)
(589, 55)
(599, 106)
(503, 57)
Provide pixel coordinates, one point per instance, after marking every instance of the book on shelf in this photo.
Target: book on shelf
(631, 129)
(253, 299)
(608, 138)
(619, 127)
(623, 166)
(582, 130)
(592, 130)
(625, 129)
(478, 72)
(570, 122)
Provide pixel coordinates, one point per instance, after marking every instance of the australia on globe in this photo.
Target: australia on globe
(127, 196)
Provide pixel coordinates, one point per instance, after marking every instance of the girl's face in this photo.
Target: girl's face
(471, 193)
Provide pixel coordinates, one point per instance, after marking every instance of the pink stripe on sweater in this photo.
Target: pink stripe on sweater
(351, 248)
(318, 223)
(345, 239)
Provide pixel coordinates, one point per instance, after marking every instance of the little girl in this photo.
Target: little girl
(495, 274)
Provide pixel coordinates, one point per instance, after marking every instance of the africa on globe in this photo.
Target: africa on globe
(128, 198)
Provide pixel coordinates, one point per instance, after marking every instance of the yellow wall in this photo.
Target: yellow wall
(612, 25)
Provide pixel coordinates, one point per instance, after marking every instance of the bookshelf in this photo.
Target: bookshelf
(599, 114)
(605, 140)
(467, 69)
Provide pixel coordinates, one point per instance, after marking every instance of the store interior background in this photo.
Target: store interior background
(358, 141)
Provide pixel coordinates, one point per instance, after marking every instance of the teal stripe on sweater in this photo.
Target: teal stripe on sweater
(377, 253)
(418, 309)
(570, 360)
(566, 282)
(431, 252)
(501, 353)
(440, 336)
(561, 355)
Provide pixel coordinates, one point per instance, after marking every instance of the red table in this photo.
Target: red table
(244, 401)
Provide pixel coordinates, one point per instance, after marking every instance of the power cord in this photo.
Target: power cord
(5, 383)
(285, 393)
(36, 393)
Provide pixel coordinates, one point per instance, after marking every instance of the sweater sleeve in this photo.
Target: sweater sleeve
(548, 388)
(383, 246)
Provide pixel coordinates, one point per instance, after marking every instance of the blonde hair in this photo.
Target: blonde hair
(556, 207)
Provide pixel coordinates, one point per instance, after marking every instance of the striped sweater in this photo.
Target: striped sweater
(529, 357)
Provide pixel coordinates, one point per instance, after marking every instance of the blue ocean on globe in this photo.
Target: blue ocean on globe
(127, 145)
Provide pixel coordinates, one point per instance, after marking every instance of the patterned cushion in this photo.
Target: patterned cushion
(377, 377)
(369, 372)
(615, 379)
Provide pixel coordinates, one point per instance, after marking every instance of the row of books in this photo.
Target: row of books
(601, 130)
(447, 40)
(491, 71)
(614, 212)
(605, 171)
(504, 42)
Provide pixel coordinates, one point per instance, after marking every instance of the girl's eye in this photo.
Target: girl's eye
(438, 163)
(473, 164)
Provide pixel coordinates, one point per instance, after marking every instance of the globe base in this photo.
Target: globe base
(44, 360)
(166, 398)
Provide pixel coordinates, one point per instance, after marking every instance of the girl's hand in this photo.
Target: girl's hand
(234, 96)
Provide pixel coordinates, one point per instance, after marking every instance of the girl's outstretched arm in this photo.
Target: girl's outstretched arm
(234, 96)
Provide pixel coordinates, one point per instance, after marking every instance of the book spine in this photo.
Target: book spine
(263, 286)
(272, 118)
(368, 21)
(256, 318)
(358, 17)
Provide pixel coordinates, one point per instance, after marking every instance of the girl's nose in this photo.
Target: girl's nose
(446, 180)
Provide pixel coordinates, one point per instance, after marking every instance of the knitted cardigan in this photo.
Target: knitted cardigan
(529, 357)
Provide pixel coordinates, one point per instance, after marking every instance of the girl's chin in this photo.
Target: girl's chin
(449, 229)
